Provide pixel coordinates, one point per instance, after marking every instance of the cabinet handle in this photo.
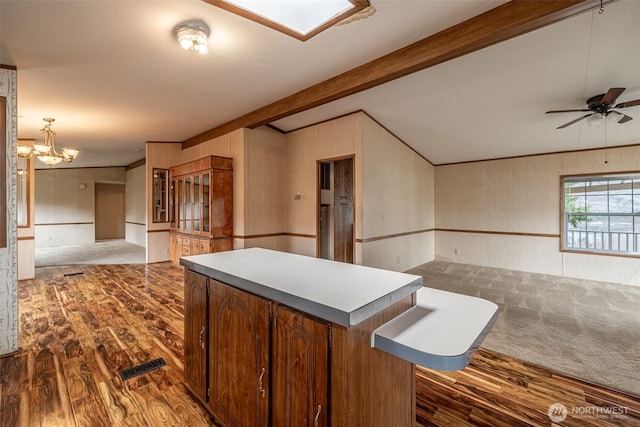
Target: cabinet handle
(200, 341)
(315, 420)
(261, 389)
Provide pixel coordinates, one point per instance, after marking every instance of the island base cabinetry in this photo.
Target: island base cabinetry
(196, 329)
(300, 369)
(254, 362)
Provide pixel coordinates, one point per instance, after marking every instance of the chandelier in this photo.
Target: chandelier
(46, 151)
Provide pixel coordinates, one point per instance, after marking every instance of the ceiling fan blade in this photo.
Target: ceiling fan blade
(611, 96)
(625, 119)
(628, 104)
(565, 111)
(573, 121)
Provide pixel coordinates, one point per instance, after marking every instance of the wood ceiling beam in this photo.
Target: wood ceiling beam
(494, 26)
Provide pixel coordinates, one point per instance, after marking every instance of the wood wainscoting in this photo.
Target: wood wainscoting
(78, 331)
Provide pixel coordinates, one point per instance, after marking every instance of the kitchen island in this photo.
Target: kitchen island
(278, 339)
(273, 338)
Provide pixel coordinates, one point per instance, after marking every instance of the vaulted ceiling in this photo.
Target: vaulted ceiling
(113, 76)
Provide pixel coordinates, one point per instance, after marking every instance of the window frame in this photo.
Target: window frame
(635, 214)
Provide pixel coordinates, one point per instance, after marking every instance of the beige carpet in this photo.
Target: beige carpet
(586, 329)
(106, 252)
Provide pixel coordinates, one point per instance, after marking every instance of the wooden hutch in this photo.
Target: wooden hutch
(201, 207)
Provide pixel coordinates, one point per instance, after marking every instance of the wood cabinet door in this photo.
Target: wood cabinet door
(343, 211)
(172, 248)
(195, 247)
(195, 333)
(221, 203)
(205, 246)
(300, 370)
(239, 326)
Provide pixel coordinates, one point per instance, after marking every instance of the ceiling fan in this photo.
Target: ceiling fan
(601, 106)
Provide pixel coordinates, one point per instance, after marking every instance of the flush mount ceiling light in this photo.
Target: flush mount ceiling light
(301, 19)
(193, 36)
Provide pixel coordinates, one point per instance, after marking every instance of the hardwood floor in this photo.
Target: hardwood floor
(496, 390)
(78, 331)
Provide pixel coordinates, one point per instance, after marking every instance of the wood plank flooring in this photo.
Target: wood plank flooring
(77, 332)
(496, 390)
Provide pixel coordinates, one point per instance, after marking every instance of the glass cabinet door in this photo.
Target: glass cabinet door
(196, 202)
(188, 208)
(172, 204)
(159, 195)
(206, 207)
(180, 204)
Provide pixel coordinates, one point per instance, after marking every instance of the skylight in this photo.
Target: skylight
(301, 19)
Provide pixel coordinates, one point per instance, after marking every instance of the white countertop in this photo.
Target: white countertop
(442, 331)
(342, 293)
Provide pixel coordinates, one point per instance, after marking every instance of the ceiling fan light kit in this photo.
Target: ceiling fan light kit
(601, 106)
(595, 120)
(614, 116)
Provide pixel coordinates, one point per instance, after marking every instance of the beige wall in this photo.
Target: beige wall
(397, 200)
(64, 211)
(516, 204)
(394, 192)
(392, 183)
(160, 156)
(135, 206)
(329, 140)
(265, 189)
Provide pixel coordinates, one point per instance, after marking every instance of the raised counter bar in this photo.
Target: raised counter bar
(341, 293)
(442, 331)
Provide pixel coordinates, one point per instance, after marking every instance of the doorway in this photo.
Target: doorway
(335, 210)
(109, 211)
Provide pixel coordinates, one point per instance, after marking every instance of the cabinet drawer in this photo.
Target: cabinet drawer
(186, 250)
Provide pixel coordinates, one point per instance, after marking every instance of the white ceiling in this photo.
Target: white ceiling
(113, 76)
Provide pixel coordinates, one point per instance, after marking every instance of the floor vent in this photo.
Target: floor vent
(152, 365)
(74, 274)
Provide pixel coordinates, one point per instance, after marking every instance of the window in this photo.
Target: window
(296, 18)
(602, 214)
